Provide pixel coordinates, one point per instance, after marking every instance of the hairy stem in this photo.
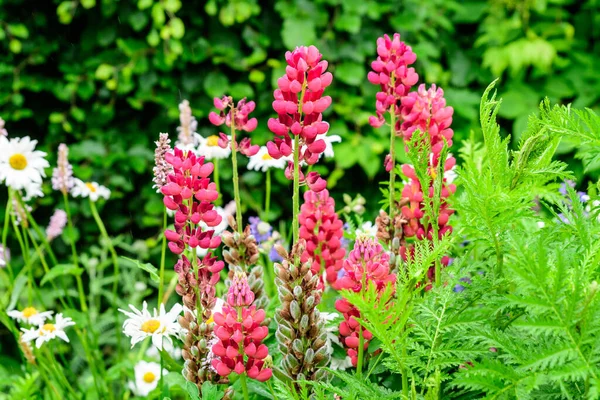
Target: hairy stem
(361, 350)
(392, 185)
(236, 180)
(161, 284)
(268, 195)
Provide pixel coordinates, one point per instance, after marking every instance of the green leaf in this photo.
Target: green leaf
(60, 270)
(104, 71)
(151, 269)
(298, 32)
(88, 3)
(351, 73)
(18, 30)
(18, 286)
(143, 4)
(15, 45)
(216, 84)
(210, 391)
(192, 390)
(177, 28)
(158, 14)
(138, 20)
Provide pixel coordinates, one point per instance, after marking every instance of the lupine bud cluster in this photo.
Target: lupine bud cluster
(392, 73)
(301, 332)
(229, 114)
(367, 262)
(187, 138)
(57, 224)
(299, 104)
(162, 168)
(190, 194)
(322, 230)
(199, 332)
(241, 249)
(62, 175)
(240, 331)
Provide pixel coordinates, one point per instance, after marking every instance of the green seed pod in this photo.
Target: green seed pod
(297, 291)
(309, 356)
(310, 301)
(304, 323)
(297, 346)
(195, 351)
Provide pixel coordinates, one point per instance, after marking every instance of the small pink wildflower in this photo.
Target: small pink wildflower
(57, 224)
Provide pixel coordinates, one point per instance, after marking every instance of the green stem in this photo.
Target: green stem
(296, 197)
(236, 180)
(361, 349)
(392, 186)
(115, 261)
(37, 229)
(268, 196)
(244, 386)
(82, 301)
(163, 252)
(5, 237)
(271, 390)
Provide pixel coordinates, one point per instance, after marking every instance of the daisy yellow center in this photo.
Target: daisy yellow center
(267, 156)
(212, 140)
(49, 327)
(149, 377)
(91, 187)
(150, 326)
(18, 161)
(29, 312)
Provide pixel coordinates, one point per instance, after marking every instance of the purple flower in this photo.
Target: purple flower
(563, 186)
(274, 255)
(261, 230)
(458, 287)
(57, 224)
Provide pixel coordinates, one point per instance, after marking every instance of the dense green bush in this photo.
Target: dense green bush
(107, 76)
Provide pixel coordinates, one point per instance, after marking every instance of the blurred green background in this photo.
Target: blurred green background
(106, 77)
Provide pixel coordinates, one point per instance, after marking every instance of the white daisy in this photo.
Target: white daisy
(262, 161)
(210, 149)
(147, 376)
(47, 332)
(158, 325)
(30, 315)
(20, 163)
(92, 190)
(367, 230)
(33, 189)
(4, 257)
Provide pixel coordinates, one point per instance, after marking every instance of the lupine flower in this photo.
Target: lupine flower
(205, 282)
(323, 231)
(239, 114)
(162, 168)
(367, 262)
(189, 184)
(48, 331)
(299, 104)
(392, 74)
(426, 111)
(30, 315)
(188, 138)
(262, 161)
(147, 375)
(261, 230)
(93, 190)
(301, 332)
(62, 175)
(20, 164)
(160, 325)
(58, 221)
(240, 332)
(3, 131)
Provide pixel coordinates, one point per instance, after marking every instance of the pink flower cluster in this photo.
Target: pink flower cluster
(392, 73)
(426, 110)
(367, 262)
(238, 116)
(57, 224)
(240, 333)
(206, 281)
(299, 104)
(190, 193)
(322, 230)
